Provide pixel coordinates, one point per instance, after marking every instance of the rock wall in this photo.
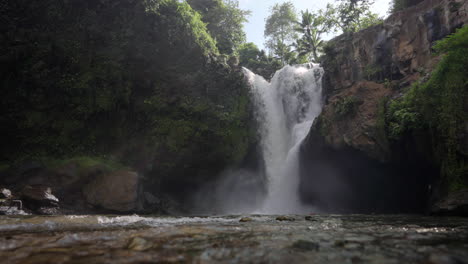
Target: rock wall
(363, 71)
(378, 62)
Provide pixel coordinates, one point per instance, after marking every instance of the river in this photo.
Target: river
(224, 239)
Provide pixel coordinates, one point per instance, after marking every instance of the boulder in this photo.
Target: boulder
(39, 199)
(455, 204)
(116, 191)
(36, 196)
(5, 193)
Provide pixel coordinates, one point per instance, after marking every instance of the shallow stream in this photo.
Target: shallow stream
(224, 239)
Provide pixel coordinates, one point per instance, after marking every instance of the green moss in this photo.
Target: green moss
(437, 108)
(84, 162)
(4, 167)
(346, 106)
(372, 72)
(323, 125)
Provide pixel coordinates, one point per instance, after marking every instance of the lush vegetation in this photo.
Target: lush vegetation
(140, 82)
(355, 15)
(293, 39)
(224, 20)
(312, 27)
(279, 30)
(251, 57)
(438, 108)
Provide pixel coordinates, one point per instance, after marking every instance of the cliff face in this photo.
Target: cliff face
(364, 73)
(377, 63)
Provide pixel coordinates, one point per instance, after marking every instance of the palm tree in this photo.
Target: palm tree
(312, 26)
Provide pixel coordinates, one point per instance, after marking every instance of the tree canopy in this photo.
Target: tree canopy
(279, 29)
(312, 26)
(355, 15)
(292, 40)
(224, 21)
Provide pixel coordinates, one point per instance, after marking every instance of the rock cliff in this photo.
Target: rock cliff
(364, 73)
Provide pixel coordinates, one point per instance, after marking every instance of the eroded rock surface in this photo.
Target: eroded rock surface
(375, 63)
(349, 162)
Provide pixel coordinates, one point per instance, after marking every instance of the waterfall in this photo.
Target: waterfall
(285, 110)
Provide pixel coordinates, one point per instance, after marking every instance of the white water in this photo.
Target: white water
(285, 110)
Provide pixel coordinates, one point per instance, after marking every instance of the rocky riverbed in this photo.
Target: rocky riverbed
(226, 239)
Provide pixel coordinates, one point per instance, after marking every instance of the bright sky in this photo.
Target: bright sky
(261, 8)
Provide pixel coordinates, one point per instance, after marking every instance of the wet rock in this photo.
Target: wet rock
(47, 211)
(117, 191)
(455, 204)
(5, 193)
(444, 259)
(306, 245)
(310, 218)
(37, 196)
(285, 218)
(151, 199)
(340, 243)
(139, 244)
(245, 219)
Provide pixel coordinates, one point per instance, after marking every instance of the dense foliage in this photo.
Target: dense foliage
(251, 57)
(312, 26)
(279, 30)
(294, 41)
(224, 20)
(355, 15)
(438, 107)
(138, 80)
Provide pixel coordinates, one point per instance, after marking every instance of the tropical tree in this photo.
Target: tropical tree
(354, 15)
(224, 21)
(312, 26)
(279, 30)
(251, 57)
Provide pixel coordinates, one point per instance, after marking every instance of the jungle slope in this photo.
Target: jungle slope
(94, 88)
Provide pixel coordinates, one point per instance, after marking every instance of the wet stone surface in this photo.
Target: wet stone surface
(319, 239)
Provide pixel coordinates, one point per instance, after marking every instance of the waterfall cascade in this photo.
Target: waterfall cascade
(285, 110)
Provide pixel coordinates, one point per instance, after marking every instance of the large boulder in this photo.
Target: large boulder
(5, 193)
(39, 199)
(116, 191)
(455, 203)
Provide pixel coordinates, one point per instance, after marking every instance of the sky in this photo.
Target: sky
(260, 10)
